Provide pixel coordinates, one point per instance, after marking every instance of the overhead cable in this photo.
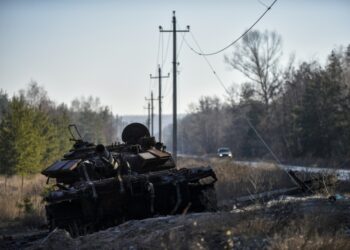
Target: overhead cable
(201, 53)
(207, 61)
(158, 51)
(166, 51)
(182, 42)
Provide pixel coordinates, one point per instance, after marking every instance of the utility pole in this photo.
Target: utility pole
(174, 31)
(152, 113)
(160, 99)
(149, 114)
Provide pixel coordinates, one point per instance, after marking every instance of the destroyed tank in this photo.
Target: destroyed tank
(99, 186)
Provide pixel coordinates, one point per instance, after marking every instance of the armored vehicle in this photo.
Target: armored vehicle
(98, 186)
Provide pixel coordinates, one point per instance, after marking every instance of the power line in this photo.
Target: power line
(158, 51)
(201, 53)
(262, 3)
(166, 51)
(150, 86)
(162, 48)
(159, 77)
(181, 44)
(207, 61)
(165, 58)
(245, 117)
(148, 115)
(152, 112)
(167, 88)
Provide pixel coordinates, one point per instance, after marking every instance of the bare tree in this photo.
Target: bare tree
(257, 57)
(37, 96)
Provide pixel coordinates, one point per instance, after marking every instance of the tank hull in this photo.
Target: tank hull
(96, 205)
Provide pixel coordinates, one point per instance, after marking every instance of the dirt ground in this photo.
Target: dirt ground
(313, 222)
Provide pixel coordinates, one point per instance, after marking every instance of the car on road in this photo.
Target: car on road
(224, 152)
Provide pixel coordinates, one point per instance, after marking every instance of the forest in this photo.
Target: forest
(301, 112)
(298, 112)
(34, 129)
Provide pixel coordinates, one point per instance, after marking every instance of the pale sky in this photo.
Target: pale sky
(108, 48)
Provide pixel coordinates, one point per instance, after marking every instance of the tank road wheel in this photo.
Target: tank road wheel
(208, 200)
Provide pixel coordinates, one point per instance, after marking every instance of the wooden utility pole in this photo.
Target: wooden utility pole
(174, 31)
(160, 99)
(149, 115)
(152, 113)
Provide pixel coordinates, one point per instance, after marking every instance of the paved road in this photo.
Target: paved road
(342, 174)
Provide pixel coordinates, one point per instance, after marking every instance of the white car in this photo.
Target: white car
(224, 152)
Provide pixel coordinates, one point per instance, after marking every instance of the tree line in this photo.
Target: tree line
(301, 112)
(33, 128)
(298, 112)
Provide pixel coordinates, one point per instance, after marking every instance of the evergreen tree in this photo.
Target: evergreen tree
(60, 118)
(3, 103)
(323, 118)
(20, 149)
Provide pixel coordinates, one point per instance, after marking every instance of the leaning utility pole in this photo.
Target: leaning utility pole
(174, 31)
(160, 99)
(152, 113)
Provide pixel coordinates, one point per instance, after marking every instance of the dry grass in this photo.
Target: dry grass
(323, 227)
(236, 180)
(22, 205)
(304, 224)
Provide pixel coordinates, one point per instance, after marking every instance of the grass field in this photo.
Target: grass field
(21, 207)
(237, 180)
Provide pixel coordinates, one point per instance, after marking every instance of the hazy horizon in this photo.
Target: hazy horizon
(107, 49)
